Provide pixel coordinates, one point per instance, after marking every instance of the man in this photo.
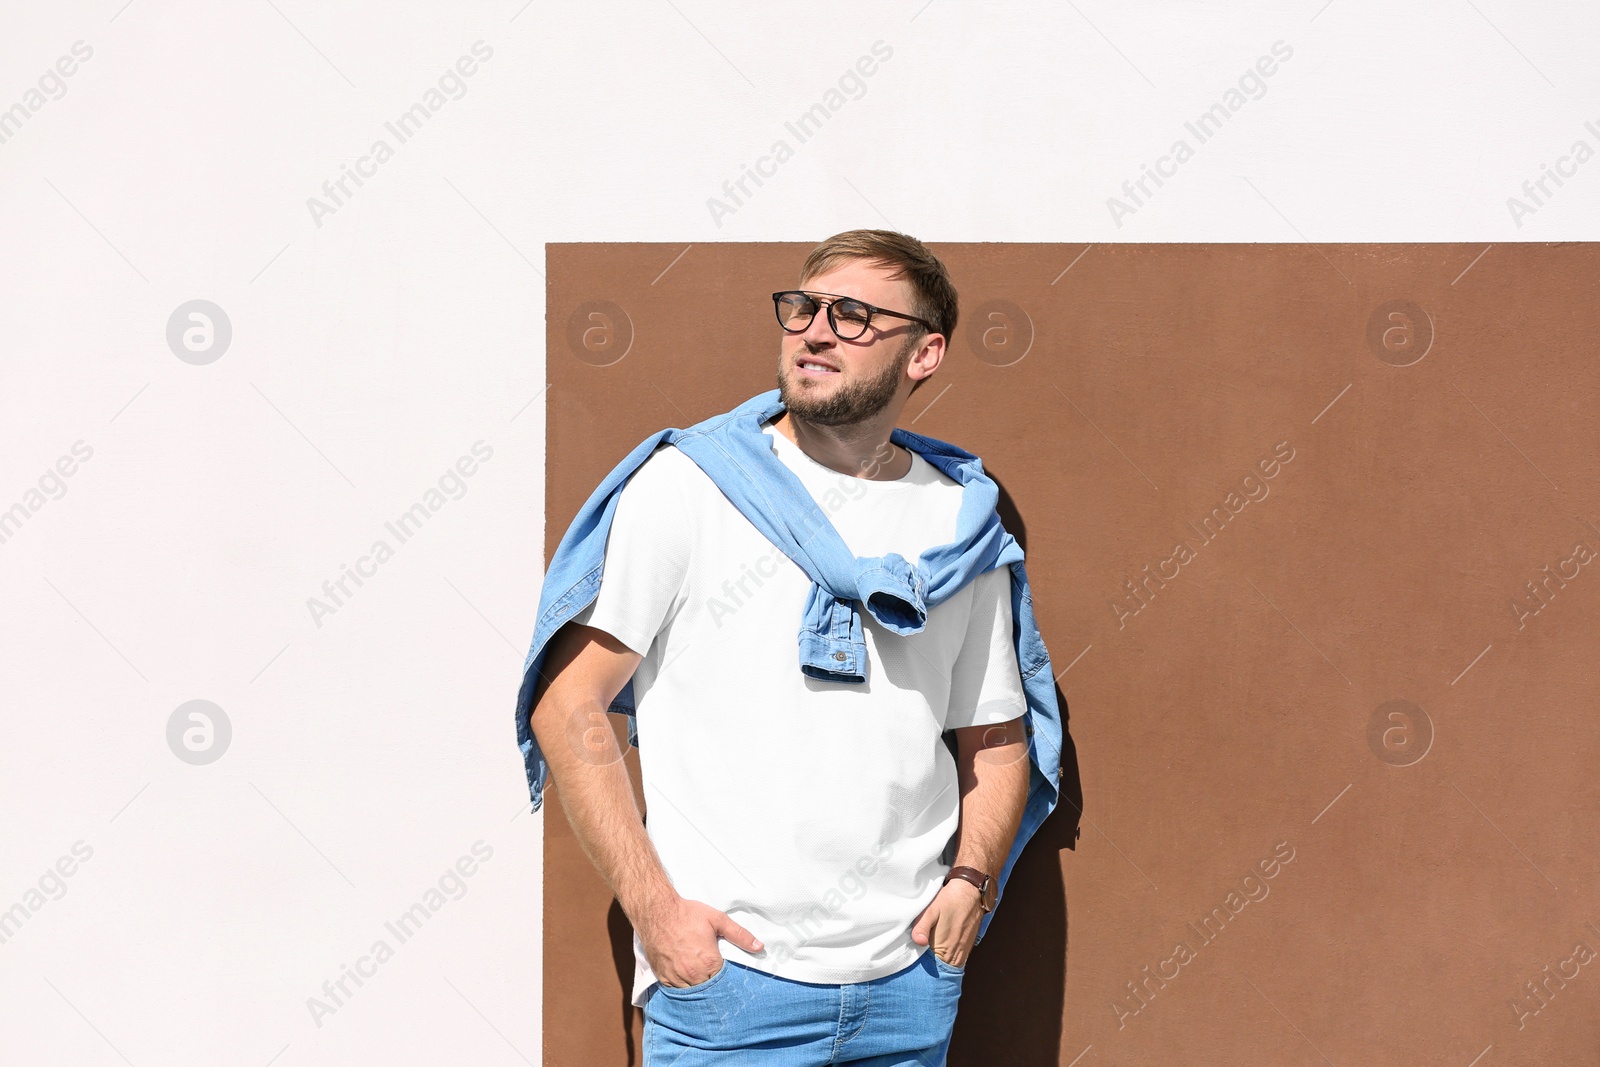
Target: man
(792, 898)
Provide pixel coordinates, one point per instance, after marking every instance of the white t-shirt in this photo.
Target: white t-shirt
(815, 813)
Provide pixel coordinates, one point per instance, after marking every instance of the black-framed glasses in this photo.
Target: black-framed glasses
(848, 316)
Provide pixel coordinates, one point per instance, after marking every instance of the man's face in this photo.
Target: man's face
(866, 372)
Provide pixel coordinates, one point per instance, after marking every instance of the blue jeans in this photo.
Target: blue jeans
(742, 1016)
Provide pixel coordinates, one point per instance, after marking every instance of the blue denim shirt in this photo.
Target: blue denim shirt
(734, 452)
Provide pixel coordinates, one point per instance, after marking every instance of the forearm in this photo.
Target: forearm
(575, 736)
(994, 789)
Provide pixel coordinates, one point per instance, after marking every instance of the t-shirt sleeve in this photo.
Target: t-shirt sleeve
(647, 555)
(986, 684)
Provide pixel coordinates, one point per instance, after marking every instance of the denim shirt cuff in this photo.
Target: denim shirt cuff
(832, 659)
(895, 593)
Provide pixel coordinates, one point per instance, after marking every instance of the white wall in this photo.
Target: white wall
(373, 345)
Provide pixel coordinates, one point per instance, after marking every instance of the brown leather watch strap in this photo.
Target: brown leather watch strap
(983, 882)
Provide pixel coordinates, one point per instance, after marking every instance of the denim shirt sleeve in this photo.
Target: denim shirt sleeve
(571, 583)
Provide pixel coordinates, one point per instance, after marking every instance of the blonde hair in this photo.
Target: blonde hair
(933, 298)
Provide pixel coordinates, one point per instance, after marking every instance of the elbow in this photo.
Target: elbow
(574, 726)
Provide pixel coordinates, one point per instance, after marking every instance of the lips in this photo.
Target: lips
(811, 365)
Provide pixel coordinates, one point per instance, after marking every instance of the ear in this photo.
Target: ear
(926, 359)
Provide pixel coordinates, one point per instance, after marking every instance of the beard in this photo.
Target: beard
(846, 403)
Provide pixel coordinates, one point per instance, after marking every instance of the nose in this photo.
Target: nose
(819, 331)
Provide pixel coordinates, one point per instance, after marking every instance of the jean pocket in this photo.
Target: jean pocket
(698, 986)
(946, 967)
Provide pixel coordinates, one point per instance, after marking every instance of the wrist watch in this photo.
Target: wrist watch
(985, 884)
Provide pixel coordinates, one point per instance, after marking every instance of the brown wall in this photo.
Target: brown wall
(1335, 669)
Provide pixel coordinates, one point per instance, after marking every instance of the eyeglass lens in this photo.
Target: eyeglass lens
(850, 317)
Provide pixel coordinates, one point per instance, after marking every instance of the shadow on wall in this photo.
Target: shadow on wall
(629, 1018)
(1011, 998)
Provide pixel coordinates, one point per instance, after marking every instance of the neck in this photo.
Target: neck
(859, 450)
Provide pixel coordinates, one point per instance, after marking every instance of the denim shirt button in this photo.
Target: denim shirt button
(838, 655)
